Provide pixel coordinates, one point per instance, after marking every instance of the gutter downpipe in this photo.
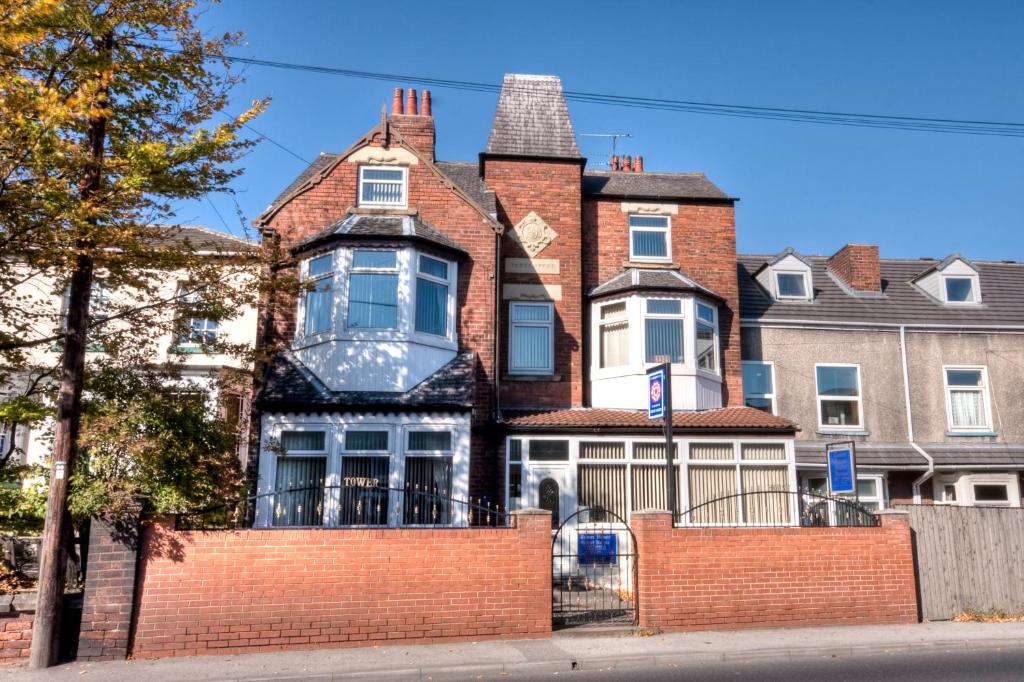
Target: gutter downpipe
(920, 480)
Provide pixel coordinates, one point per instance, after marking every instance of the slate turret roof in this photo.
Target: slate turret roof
(369, 226)
(638, 279)
(532, 119)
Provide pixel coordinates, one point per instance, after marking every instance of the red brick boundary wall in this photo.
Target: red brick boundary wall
(15, 636)
(267, 590)
(721, 578)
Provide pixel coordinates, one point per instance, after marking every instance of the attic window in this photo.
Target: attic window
(959, 289)
(382, 186)
(791, 285)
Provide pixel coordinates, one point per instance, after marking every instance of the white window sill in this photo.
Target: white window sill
(858, 431)
(971, 434)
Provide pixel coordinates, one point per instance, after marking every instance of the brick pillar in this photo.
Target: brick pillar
(534, 526)
(652, 529)
(109, 590)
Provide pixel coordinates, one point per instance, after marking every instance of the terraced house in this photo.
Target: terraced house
(918, 361)
(482, 330)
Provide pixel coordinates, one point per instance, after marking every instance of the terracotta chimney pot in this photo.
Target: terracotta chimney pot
(396, 103)
(627, 163)
(638, 164)
(614, 162)
(410, 102)
(425, 103)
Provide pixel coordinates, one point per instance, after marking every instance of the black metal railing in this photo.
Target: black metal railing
(347, 506)
(779, 509)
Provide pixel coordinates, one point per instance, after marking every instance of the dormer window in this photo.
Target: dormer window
(959, 289)
(649, 238)
(383, 186)
(791, 285)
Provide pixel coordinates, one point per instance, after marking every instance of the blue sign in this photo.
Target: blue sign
(656, 394)
(842, 472)
(597, 548)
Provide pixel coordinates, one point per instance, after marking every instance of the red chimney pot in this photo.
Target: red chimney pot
(614, 163)
(638, 164)
(425, 103)
(410, 102)
(396, 102)
(627, 163)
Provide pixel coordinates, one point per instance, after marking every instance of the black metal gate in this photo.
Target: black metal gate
(594, 570)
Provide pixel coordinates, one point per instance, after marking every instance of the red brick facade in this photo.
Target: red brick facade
(15, 637)
(232, 592)
(552, 189)
(720, 578)
(858, 266)
(703, 245)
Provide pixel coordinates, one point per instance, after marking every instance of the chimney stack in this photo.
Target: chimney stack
(417, 129)
(425, 103)
(627, 163)
(396, 103)
(638, 164)
(614, 162)
(410, 102)
(858, 266)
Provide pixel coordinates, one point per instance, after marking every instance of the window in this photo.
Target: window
(298, 498)
(531, 338)
(194, 328)
(870, 490)
(365, 478)
(549, 451)
(382, 186)
(838, 396)
(428, 479)
(707, 341)
(319, 298)
(759, 385)
(432, 296)
(663, 331)
(373, 290)
(515, 472)
(649, 238)
(991, 494)
(959, 289)
(967, 398)
(614, 335)
(716, 475)
(791, 285)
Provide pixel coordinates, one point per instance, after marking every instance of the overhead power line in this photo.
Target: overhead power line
(851, 119)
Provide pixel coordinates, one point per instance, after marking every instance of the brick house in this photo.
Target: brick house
(483, 329)
(917, 361)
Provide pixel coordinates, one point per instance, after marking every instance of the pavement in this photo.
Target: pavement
(578, 650)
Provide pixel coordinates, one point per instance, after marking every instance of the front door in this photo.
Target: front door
(550, 488)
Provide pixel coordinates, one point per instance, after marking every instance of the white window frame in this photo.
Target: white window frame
(680, 316)
(697, 322)
(187, 298)
(667, 231)
(983, 390)
(378, 204)
(963, 484)
(364, 270)
(326, 453)
(617, 318)
(773, 396)
(549, 324)
(300, 329)
(859, 398)
(450, 301)
(778, 290)
(974, 298)
(880, 480)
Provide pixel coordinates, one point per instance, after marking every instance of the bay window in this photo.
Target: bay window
(432, 296)
(428, 478)
(382, 186)
(663, 330)
(614, 335)
(365, 465)
(649, 238)
(839, 396)
(318, 304)
(707, 338)
(373, 290)
(967, 404)
(531, 338)
(298, 498)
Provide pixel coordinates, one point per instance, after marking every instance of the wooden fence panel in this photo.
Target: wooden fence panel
(968, 559)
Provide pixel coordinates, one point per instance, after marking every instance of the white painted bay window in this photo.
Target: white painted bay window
(318, 303)
(839, 397)
(614, 335)
(967, 401)
(664, 330)
(384, 186)
(298, 498)
(432, 299)
(531, 338)
(373, 290)
(428, 478)
(707, 338)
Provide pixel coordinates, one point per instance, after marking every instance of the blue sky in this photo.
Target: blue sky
(813, 187)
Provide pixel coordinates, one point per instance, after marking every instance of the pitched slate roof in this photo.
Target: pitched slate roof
(633, 279)
(651, 186)
(725, 419)
(319, 163)
(902, 455)
(362, 226)
(202, 239)
(288, 384)
(532, 119)
(901, 301)
(899, 455)
(467, 177)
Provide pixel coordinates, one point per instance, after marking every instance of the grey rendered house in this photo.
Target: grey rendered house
(920, 362)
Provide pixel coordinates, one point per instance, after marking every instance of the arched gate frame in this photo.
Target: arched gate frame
(594, 570)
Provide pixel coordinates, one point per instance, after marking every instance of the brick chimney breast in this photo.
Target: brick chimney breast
(857, 265)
